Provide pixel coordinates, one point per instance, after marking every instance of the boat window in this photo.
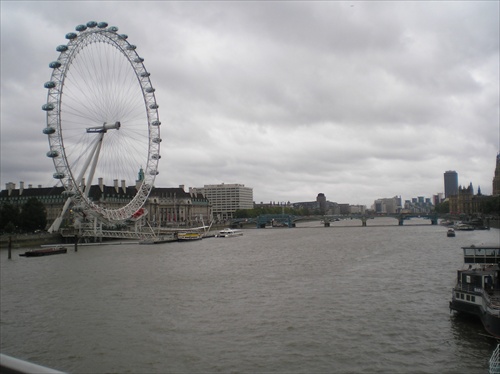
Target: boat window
(457, 295)
(468, 297)
(473, 298)
(462, 296)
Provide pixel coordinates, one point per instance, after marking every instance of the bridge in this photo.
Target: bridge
(287, 220)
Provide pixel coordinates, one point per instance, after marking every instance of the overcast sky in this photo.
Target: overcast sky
(356, 100)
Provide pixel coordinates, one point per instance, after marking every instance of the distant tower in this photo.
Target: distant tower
(140, 176)
(496, 178)
(450, 183)
(321, 200)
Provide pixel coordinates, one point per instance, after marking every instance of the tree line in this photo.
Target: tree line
(29, 217)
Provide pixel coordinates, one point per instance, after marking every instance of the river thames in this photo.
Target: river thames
(343, 299)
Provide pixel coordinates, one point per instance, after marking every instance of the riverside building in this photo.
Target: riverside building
(226, 199)
(165, 206)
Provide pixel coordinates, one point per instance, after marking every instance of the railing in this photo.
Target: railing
(491, 302)
(11, 365)
(495, 361)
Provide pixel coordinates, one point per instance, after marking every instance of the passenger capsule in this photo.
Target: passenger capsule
(91, 24)
(49, 130)
(55, 64)
(154, 172)
(62, 48)
(113, 29)
(157, 140)
(139, 60)
(102, 25)
(48, 107)
(154, 106)
(150, 90)
(155, 123)
(71, 35)
(58, 175)
(49, 84)
(123, 36)
(156, 156)
(131, 47)
(81, 28)
(145, 74)
(52, 154)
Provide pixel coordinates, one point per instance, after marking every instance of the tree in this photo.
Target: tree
(33, 215)
(9, 217)
(491, 205)
(443, 207)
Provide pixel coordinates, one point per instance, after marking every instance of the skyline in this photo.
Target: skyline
(356, 100)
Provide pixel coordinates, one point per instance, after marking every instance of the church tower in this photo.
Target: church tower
(496, 178)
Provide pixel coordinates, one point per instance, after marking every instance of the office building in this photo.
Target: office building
(450, 183)
(226, 199)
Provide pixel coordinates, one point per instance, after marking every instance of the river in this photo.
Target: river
(343, 299)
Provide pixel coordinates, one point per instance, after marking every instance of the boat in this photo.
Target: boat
(477, 290)
(464, 227)
(189, 235)
(450, 233)
(229, 233)
(44, 252)
(159, 239)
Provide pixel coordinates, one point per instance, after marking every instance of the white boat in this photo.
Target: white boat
(464, 227)
(159, 239)
(229, 233)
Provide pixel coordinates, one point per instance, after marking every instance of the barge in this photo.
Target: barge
(477, 289)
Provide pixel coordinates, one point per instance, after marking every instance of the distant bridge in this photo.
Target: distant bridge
(288, 220)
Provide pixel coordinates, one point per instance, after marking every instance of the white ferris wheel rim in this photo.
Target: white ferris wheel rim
(59, 104)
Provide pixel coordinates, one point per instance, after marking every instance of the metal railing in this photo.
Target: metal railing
(11, 365)
(495, 361)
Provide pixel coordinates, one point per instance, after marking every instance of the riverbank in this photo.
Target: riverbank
(29, 240)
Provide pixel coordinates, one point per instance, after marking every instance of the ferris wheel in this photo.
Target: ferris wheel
(102, 122)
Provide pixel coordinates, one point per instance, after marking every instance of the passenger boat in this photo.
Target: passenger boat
(464, 227)
(450, 233)
(44, 252)
(229, 233)
(189, 235)
(477, 291)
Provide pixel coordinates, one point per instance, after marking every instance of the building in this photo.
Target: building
(51, 197)
(226, 199)
(176, 207)
(496, 178)
(450, 183)
(165, 206)
(465, 202)
(419, 204)
(388, 205)
(321, 199)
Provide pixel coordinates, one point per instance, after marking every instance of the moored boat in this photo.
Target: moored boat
(464, 227)
(477, 290)
(159, 239)
(44, 252)
(189, 235)
(229, 233)
(450, 233)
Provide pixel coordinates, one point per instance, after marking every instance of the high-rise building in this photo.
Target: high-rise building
(321, 199)
(450, 183)
(496, 178)
(226, 199)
